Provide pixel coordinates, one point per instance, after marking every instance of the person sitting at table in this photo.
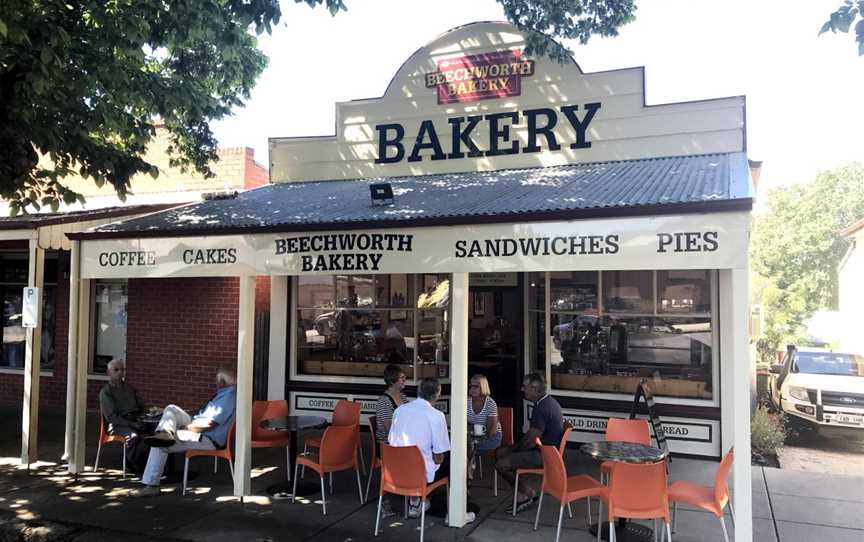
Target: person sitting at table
(178, 431)
(547, 422)
(420, 424)
(482, 412)
(121, 406)
(392, 398)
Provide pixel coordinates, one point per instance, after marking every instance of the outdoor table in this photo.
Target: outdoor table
(624, 452)
(293, 425)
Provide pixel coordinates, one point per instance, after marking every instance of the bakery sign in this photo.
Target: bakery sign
(480, 77)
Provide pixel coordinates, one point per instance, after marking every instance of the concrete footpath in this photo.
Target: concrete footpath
(45, 503)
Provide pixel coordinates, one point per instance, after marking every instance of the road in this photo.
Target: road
(813, 453)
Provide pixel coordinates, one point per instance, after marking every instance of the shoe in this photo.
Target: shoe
(522, 505)
(163, 439)
(146, 491)
(414, 510)
(469, 518)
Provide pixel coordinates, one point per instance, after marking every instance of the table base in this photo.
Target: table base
(628, 532)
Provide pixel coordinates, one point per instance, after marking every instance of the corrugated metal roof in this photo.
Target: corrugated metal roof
(569, 191)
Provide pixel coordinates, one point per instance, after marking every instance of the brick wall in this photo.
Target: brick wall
(179, 332)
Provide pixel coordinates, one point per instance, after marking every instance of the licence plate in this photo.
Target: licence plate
(849, 419)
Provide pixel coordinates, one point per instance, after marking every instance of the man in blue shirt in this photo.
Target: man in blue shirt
(178, 431)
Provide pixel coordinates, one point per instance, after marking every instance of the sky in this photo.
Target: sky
(805, 111)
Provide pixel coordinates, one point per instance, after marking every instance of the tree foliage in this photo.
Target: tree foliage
(842, 19)
(84, 82)
(796, 249)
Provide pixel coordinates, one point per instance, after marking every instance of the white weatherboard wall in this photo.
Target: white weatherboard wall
(623, 128)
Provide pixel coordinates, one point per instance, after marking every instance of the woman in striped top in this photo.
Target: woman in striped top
(482, 411)
(392, 399)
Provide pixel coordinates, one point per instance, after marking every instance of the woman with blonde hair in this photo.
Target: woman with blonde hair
(482, 418)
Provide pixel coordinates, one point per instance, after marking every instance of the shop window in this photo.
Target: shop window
(14, 269)
(644, 324)
(355, 325)
(110, 300)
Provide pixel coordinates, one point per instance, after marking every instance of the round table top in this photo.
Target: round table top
(625, 452)
(293, 423)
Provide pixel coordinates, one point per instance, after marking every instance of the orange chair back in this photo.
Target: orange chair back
(346, 413)
(505, 418)
(621, 430)
(639, 491)
(721, 482)
(266, 410)
(554, 473)
(338, 447)
(104, 436)
(403, 470)
(565, 438)
(224, 452)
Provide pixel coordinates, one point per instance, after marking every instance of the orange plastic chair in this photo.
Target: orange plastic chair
(521, 472)
(713, 499)
(224, 453)
(566, 489)
(403, 472)
(624, 430)
(338, 452)
(265, 438)
(505, 418)
(638, 491)
(374, 463)
(345, 413)
(107, 438)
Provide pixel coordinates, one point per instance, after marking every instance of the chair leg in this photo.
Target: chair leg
(124, 459)
(230, 468)
(674, 515)
(480, 465)
(560, 515)
(362, 459)
(215, 464)
(537, 515)
(569, 511)
(731, 510)
(359, 485)
(612, 537)
(185, 474)
(495, 483)
(378, 515)
(331, 483)
(98, 453)
(589, 510)
(725, 534)
(515, 493)
(669, 533)
(305, 450)
(294, 490)
(323, 495)
(422, 518)
(369, 482)
(406, 507)
(655, 529)
(600, 521)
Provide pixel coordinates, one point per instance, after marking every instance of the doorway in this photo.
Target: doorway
(495, 338)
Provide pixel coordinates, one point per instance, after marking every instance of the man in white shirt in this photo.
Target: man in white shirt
(420, 424)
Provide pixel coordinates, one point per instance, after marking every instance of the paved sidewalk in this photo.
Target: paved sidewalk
(47, 504)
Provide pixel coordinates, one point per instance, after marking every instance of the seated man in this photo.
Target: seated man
(178, 431)
(547, 422)
(420, 424)
(121, 406)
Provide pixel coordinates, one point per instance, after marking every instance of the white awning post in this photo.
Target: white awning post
(245, 345)
(72, 352)
(278, 337)
(32, 361)
(735, 394)
(79, 444)
(458, 399)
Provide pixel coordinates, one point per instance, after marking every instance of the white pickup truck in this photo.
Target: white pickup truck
(821, 389)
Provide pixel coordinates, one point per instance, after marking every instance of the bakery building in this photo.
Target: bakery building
(490, 213)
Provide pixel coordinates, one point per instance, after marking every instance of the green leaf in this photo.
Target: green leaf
(3, 29)
(47, 55)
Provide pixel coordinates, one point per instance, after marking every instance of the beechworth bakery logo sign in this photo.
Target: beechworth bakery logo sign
(480, 77)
